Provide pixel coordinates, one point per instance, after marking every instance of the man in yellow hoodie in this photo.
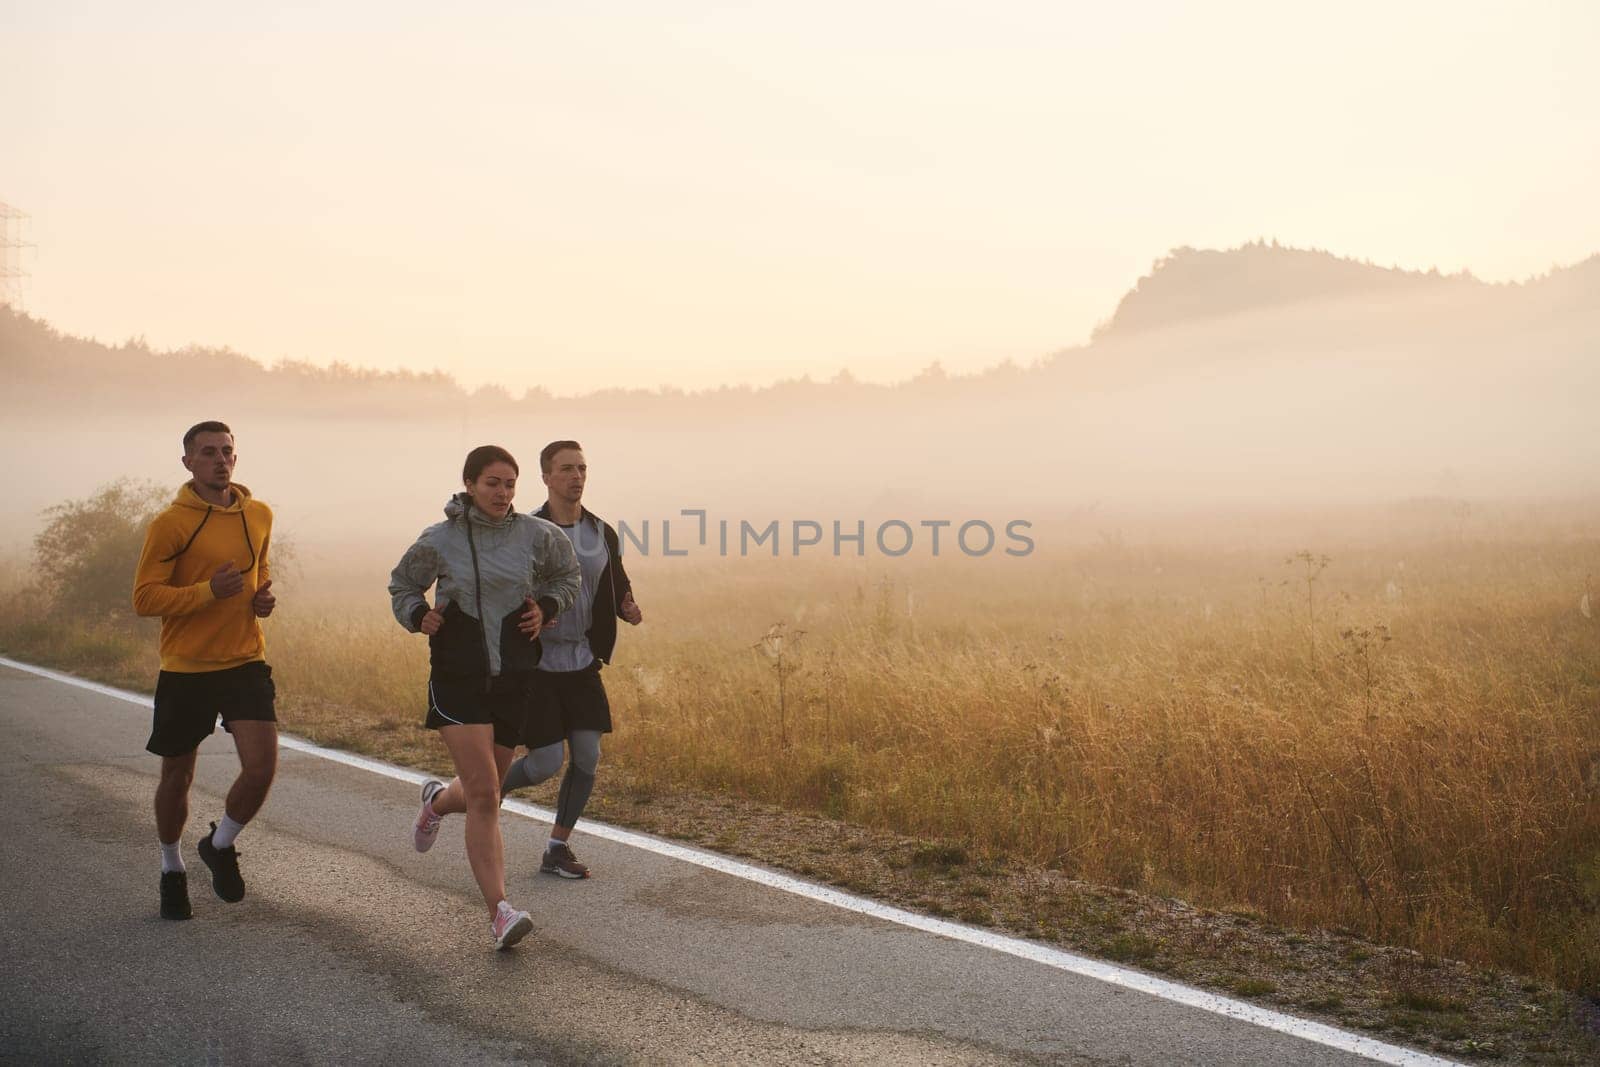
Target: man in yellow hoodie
(204, 570)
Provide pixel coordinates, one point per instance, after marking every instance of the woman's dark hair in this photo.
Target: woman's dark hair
(481, 457)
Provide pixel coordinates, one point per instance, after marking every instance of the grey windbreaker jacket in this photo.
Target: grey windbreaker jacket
(517, 558)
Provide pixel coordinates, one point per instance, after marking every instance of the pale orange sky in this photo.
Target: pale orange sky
(585, 196)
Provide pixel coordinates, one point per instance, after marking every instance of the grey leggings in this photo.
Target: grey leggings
(541, 764)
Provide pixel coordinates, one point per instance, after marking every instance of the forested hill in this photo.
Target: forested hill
(1192, 284)
(1269, 301)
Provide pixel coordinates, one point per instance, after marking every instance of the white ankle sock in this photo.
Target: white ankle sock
(227, 830)
(172, 856)
(554, 841)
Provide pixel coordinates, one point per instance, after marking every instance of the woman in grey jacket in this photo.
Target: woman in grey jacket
(500, 576)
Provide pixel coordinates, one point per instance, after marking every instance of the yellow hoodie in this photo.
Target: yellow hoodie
(183, 548)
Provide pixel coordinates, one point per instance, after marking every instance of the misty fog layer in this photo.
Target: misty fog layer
(1217, 384)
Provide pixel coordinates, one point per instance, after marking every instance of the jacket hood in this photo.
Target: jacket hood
(188, 498)
(584, 514)
(461, 504)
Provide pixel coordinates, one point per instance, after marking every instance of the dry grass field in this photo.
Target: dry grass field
(1395, 734)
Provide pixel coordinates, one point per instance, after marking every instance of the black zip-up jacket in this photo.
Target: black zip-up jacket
(606, 608)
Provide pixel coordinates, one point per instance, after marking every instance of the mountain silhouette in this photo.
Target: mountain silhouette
(1189, 287)
(1189, 284)
(1260, 373)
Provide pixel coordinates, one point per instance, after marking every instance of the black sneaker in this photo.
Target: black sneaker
(558, 859)
(224, 864)
(175, 896)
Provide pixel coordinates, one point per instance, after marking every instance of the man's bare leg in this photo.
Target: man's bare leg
(257, 745)
(172, 796)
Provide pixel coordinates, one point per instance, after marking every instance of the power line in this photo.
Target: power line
(12, 247)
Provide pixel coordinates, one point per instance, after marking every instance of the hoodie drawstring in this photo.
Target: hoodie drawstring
(251, 545)
(477, 591)
(207, 518)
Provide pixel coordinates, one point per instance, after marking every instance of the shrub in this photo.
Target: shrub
(87, 552)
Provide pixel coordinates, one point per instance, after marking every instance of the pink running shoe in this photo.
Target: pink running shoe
(510, 925)
(426, 830)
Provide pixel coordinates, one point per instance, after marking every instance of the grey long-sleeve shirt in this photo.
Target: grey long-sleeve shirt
(566, 644)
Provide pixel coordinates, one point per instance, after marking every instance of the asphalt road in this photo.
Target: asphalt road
(352, 948)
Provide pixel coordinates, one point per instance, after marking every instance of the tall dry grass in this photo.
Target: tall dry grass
(1407, 746)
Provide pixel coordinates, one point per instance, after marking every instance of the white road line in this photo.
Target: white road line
(1111, 974)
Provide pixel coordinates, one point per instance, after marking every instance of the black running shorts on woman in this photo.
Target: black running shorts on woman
(463, 700)
(560, 702)
(188, 703)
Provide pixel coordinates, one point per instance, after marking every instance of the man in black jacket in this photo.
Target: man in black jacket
(567, 701)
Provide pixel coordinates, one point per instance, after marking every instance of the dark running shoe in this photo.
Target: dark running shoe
(558, 859)
(224, 864)
(175, 896)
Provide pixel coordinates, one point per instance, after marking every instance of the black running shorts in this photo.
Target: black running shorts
(189, 702)
(464, 700)
(560, 702)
